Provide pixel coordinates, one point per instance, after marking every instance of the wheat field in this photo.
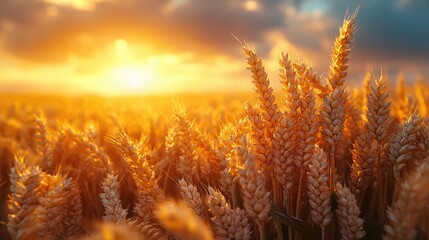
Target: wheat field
(318, 160)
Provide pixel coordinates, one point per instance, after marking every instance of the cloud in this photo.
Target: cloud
(391, 33)
(195, 25)
(388, 29)
(20, 12)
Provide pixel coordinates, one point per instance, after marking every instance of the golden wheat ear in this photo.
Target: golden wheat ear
(404, 145)
(378, 110)
(227, 223)
(182, 222)
(340, 52)
(306, 73)
(332, 122)
(260, 142)
(261, 82)
(319, 197)
(106, 230)
(256, 198)
(44, 142)
(362, 169)
(60, 207)
(412, 200)
(110, 198)
(283, 152)
(402, 107)
(351, 225)
(23, 223)
(144, 175)
(192, 198)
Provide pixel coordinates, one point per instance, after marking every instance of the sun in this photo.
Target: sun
(131, 78)
(126, 74)
(251, 5)
(85, 5)
(121, 44)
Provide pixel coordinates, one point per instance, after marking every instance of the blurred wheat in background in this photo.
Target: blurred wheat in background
(320, 160)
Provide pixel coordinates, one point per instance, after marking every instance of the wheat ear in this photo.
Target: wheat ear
(23, 200)
(378, 110)
(340, 52)
(209, 164)
(256, 197)
(286, 135)
(362, 169)
(191, 198)
(412, 200)
(186, 164)
(263, 89)
(283, 155)
(402, 104)
(59, 208)
(319, 196)
(182, 222)
(351, 226)
(227, 223)
(108, 230)
(306, 73)
(306, 137)
(378, 117)
(110, 197)
(404, 144)
(145, 178)
(43, 142)
(332, 122)
(260, 142)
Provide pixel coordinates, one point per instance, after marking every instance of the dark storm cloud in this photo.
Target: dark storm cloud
(195, 26)
(390, 29)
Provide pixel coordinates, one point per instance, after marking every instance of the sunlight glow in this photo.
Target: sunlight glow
(130, 77)
(85, 5)
(251, 5)
(121, 44)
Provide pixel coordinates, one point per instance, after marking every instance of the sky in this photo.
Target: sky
(116, 47)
